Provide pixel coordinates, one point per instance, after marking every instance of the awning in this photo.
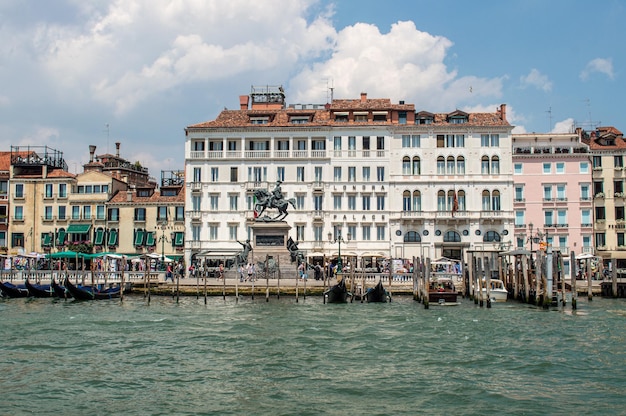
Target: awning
(112, 237)
(60, 238)
(47, 239)
(179, 239)
(139, 238)
(149, 239)
(99, 237)
(78, 228)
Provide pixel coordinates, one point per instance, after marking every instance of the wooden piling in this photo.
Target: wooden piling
(589, 281)
(426, 283)
(614, 277)
(487, 265)
(573, 276)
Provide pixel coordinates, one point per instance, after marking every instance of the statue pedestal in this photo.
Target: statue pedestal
(270, 242)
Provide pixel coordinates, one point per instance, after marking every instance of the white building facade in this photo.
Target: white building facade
(392, 181)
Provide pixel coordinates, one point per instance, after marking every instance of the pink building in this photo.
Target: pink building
(553, 204)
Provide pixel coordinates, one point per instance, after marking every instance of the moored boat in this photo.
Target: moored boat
(497, 290)
(337, 293)
(38, 290)
(377, 293)
(90, 293)
(60, 291)
(13, 291)
(442, 292)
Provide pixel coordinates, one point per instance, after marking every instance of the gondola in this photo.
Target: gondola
(88, 293)
(378, 293)
(39, 291)
(60, 291)
(337, 293)
(13, 291)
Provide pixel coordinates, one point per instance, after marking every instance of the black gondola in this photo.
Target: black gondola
(13, 291)
(88, 293)
(378, 293)
(337, 293)
(39, 291)
(60, 291)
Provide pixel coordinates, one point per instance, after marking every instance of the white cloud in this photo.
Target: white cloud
(536, 79)
(601, 65)
(404, 64)
(564, 126)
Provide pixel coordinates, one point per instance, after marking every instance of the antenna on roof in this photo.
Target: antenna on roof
(329, 90)
(106, 126)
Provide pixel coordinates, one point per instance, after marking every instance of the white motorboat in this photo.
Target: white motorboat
(497, 291)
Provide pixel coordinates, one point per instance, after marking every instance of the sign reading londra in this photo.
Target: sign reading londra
(270, 240)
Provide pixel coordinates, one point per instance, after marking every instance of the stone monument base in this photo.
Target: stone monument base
(270, 243)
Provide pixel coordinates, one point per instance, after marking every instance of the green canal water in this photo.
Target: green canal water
(251, 357)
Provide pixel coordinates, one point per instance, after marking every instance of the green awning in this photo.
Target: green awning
(98, 239)
(78, 228)
(112, 237)
(60, 238)
(139, 238)
(179, 239)
(47, 240)
(149, 239)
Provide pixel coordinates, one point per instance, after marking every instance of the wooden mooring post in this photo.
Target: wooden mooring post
(589, 281)
(426, 283)
(573, 276)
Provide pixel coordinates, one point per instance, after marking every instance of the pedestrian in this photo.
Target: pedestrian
(221, 274)
(249, 270)
(241, 273)
(168, 273)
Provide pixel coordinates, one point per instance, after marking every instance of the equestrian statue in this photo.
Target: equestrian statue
(274, 199)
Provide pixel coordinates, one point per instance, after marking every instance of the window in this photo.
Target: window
(401, 117)
(560, 168)
(366, 202)
(441, 165)
(450, 165)
(561, 218)
(597, 162)
(406, 201)
(547, 192)
(412, 237)
(380, 232)
(19, 190)
(48, 190)
(451, 237)
(337, 202)
(233, 202)
(196, 203)
(519, 219)
(561, 195)
(380, 202)
(517, 169)
(140, 214)
(600, 213)
(234, 175)
(352, 202)
(180, 213)
(113, 214)
(380, 141)
(417, 166)
(213, 232)
(197, 174)
(61, 212)
(75, 212)
(351, 146)
(351, 174)
(584, 167)
(214, 202)
(318, 202)
(195, 232)
(600, 240)
(232, 231)
(519, 193)
(319, 177)
(47, 215)
(215, 174)
(337, 174)
(548, 219)
(417, 201)
(547, 168)
(162, 213)
(584, 192)
(337, 145)
(406, 165)
(366, 230)
(299, 201)
(495, 165)
(318, 232)
(366, 142)
(366, 173)
(409, 141)
(300, 173)
(17, 240)
(618, 161)
(299, 232)
(484, 165)
(585, 218)
(87, 212)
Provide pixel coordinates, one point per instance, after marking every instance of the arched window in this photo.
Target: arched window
(450, 200)
(450, 165)
(451, 237)
(484, 165)
(491, 236)
(441, 165)
(417, 201)
(417, 166)
(486, 200)
(406, 201)
(495, 165)
(412, 237)
(441, 201)
(460, 196)
(406, 165)
(495, 201)
(460, 165)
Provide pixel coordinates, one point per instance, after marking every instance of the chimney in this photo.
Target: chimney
(363, 97)
(129, 196)
(503, 112)
(243, 102)
(92, 150)
(117, 149)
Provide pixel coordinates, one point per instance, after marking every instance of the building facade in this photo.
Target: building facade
(553, 193)
(393, 182)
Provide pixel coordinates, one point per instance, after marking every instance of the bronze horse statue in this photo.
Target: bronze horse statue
(264, 200)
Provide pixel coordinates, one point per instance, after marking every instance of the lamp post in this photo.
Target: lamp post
(339, 239)
(163, 225)
(533, 239)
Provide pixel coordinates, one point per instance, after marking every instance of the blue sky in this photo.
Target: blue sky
(149, 68)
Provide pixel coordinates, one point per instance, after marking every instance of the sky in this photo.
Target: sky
(75, 73)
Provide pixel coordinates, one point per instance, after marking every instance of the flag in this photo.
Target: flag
(455, 204)
(254, 211)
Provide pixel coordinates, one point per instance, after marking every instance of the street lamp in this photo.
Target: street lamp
(162, 239)
(533, 239)
(339, 239)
